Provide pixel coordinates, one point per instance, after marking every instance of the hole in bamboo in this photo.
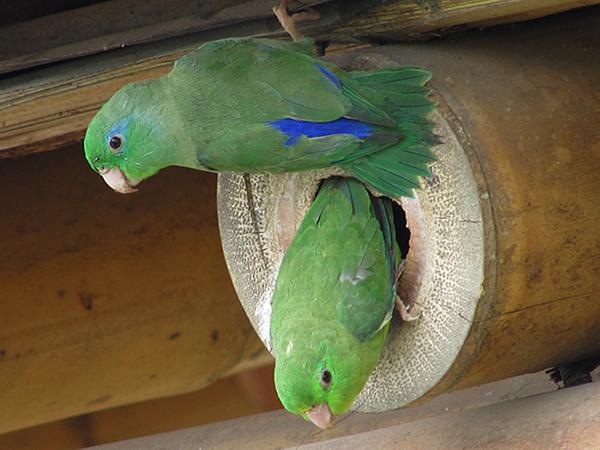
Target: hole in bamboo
(402, 231)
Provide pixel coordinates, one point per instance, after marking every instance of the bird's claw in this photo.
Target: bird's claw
(399, 271)
(290, 22)
(403, 309)
(405, 314)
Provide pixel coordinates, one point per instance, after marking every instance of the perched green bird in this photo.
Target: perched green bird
(260, 105)
(333, 300)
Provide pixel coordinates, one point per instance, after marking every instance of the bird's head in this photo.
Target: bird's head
(319, 382)
(130, 138)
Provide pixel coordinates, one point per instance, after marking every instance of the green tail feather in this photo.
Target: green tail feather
(407, 75)
(401, 93)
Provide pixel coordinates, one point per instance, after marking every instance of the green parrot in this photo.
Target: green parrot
(267, 106)
(333, 300)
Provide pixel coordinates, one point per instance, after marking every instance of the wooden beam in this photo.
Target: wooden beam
(566, 418)
(228, 399)
(109, 299)
(243, 394)
(49, 107)
(418, 19)
(115, 24)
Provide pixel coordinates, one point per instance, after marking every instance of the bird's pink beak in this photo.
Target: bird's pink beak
(118, 181)
(321, 416)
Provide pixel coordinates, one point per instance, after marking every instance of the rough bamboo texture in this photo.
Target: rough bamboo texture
(504, 235)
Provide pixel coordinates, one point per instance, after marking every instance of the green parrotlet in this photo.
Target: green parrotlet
(267, 106)
(333, 300)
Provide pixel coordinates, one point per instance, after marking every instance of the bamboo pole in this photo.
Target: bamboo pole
(503, 259)
(105, 299)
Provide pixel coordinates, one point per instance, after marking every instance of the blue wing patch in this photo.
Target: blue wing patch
(330, 76)
(294, 129)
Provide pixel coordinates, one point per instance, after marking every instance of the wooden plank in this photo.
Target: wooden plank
(417, 19)
(121, 23)
(118, 23)
(184, 411)
(106, 299)
(566, 418)
(243, 394)
(18, 11)
(561, 419)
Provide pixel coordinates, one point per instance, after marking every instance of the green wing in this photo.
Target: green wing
(343, 232)
(228, 91)
(367, 275)
(281, 76)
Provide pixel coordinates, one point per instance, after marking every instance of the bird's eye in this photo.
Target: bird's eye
(325, 379)
(115, 142)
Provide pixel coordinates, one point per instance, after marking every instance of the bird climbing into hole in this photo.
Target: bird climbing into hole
(267, 106)
(333, 300)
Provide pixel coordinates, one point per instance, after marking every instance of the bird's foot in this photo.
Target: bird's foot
(405, 314)
(290, 22)
(399, 271)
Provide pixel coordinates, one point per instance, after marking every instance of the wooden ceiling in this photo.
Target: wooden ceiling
(59, 61)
